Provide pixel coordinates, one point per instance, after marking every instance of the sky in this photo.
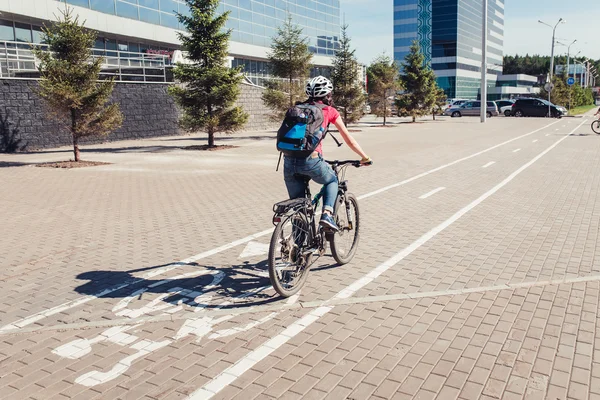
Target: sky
(371, 26)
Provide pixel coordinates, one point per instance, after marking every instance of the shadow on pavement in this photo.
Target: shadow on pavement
(131, 149)
(9, 164)
(224, 138)
(238, 286)
(245, 282)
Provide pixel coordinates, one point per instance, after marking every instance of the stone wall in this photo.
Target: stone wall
(250, 100)
(148, 111)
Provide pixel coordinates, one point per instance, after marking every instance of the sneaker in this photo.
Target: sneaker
(328, 222)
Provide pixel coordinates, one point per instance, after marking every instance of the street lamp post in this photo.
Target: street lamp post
(569, 69)
(587, 73)
(575, 61)
(569, 58)
(551, 62)
(582, 75)
(483, 90)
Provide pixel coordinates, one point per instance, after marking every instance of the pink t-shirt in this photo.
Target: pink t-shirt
(330, 115)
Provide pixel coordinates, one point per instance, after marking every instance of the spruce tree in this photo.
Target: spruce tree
(290, 63)
(70, 85)
(348, 93)
(383, 83)
(208, 88)
(419, 82)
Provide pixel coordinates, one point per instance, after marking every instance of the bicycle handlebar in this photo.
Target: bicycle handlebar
(340, 163)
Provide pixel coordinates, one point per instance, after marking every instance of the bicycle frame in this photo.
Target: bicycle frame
(316, 231)
(311, 211)
(307, 242)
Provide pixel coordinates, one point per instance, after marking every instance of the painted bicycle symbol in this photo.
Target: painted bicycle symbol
(161, 302)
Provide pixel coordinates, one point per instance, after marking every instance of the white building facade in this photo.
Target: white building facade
(147, 29)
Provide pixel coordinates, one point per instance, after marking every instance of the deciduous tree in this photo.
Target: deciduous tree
(383, 84)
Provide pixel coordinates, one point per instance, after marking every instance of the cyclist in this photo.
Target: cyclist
(597, 113)
(319, 90)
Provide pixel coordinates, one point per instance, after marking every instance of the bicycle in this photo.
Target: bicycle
(596, 126)
(299, 239)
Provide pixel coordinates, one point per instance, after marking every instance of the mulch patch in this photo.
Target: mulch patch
(71, 164)
(205, 147)
(382, 126)
(354, 130)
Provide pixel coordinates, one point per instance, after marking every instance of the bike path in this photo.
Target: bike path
(145, 350)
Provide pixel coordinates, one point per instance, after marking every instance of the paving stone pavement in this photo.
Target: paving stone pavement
(476, 275)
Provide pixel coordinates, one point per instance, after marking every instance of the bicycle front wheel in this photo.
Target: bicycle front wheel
(596, 126)
(347, 217)
(288, 257)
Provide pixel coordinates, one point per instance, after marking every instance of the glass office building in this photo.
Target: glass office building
(449, 32)
(252, 21)
(152, 25)
(412, 21)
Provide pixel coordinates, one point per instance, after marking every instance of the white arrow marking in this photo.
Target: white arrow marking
(254, 249)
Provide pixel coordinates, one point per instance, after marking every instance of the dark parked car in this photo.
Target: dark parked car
(534, 108)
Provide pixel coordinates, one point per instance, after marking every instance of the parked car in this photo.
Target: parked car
(563, 110)
(472, 108)
(535, 108)
(456, 102)
(505, 107)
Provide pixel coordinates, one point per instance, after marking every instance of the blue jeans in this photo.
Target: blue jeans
(315, 168)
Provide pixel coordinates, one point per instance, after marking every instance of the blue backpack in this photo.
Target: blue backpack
(302, 130)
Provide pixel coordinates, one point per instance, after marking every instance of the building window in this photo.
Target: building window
(7, 30)
(127, 10)
(149, 16)
(23, 33)
(103, 6)
(81, 3)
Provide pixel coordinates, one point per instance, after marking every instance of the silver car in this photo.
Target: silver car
(472, 108)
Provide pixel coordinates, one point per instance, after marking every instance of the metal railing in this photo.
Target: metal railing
(18, 61)
(16, 57)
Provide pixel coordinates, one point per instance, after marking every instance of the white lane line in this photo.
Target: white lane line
(74, 303)
(426, 195)
(516, 150)
(489, 164)
(230, 374)
(414, 178)
(534, 141)
(296, 305)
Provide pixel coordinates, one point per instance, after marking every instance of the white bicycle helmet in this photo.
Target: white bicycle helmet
(319, 87)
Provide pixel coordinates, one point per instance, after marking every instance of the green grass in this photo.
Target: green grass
(581, 110)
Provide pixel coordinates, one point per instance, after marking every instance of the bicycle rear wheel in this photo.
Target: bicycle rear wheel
(347, 217)
(288, 258)
(596, 126)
